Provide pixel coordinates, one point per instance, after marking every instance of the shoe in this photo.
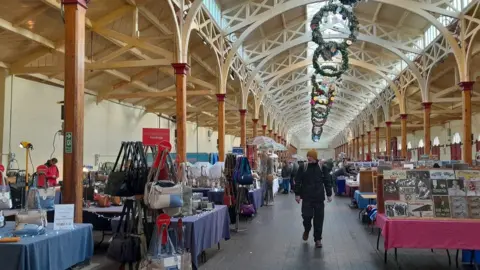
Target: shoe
(318, 244)
(305, 235)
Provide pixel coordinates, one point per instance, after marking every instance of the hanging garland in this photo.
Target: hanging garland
(333, 70)
(335, 9)
(350, 2)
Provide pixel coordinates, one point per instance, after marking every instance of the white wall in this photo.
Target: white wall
(36, 118)
(323, 153)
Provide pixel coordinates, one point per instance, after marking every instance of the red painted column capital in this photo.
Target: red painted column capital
(427, 105)
(403, 116)
(388, 123)
(377, 128)
(242, 111)
(255, 121)
(82, 3)
(220, 97)
(466, 86)
(181, 68)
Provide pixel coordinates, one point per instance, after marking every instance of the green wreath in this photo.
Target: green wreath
(334, 72)
(346, 14)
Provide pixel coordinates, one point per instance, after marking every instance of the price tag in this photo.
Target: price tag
(163, 219)
(63, 219)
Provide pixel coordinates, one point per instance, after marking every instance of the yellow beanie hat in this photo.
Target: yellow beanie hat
(313, 154)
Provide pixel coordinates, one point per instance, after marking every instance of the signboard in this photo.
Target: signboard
(424, 157)
(237, 150)
(63, 219)
(68, 142)
(154, 136)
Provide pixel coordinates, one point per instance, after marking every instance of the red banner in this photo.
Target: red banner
(154, 136)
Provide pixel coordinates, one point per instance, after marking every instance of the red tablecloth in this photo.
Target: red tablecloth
(350, 190)
(429, 233)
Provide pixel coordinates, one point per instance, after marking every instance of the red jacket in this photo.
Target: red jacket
(52, 175)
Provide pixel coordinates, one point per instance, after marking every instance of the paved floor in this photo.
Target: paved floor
(273, 241)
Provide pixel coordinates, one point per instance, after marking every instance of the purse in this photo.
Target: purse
(5, 197)
(47, 197)
(126, 247)
(118, 174)
(136, 173)
(247, 210)
(246, 177)
(103, 200)
(116, 201)
(228, 198)
(161, 194)
(26, 216)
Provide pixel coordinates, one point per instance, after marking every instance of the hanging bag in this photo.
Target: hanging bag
(5, 196)
(26, 216)
(246, 173)
(126, 247)
(117, 176)
(47, 197)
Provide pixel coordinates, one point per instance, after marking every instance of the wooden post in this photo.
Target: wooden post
(369, 144)
(243, 130)
(354, 149)
(377, 141)
(358, 149)
(3, 92)
(264, 130)
(426, 126)
(254, 127)
(467, 121)
(403, 120)
(221, 127)
(181, 70)
(363, 148)
(388, 132)
(74, 16)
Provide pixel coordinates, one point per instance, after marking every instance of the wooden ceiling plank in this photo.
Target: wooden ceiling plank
(158, 94)
(4, 24)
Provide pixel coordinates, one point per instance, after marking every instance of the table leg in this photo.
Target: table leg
(218, 245)
(431, 250)
(378, 237)
(385, 256)
(396, 255)
(456, 258)
(360, 214)
(449, 259)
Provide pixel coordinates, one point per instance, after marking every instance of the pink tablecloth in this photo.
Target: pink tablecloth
(429, 233)
(350, 190)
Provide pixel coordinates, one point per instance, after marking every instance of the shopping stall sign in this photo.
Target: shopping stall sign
(68, 142)
(63, 217)
(155, 136)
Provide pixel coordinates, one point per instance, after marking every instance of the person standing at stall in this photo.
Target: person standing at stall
(286, 174)
(310, 188)
(52, 172)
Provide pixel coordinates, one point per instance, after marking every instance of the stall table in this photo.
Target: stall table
(255, 197)
(428, 233)
(204, 191)
(216, 196)
(205, 230)
(350, 188)
(53, 250)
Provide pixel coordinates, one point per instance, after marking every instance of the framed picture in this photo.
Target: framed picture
(458, 207)
(456, 187)
(441, 205)
(396, 209)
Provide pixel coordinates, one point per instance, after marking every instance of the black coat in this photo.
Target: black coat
(312, 184)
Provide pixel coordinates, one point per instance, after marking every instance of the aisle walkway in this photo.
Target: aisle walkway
(273, 241)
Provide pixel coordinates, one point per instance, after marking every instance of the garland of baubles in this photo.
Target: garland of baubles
(321, 101)
(323, 95)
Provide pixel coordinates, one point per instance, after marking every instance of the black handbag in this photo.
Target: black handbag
(125, 247)
(117, 176)
(136, 173)
(17, 191)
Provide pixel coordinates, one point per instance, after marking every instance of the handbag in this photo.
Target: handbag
(116, 201)
(47, 197)
(103, 200)
(247, 210)
(26, 216)
(5, 197)
(136, 173)
(228, 198)
(161, 194)
(246, 177)
(125, 247)
(118, 174)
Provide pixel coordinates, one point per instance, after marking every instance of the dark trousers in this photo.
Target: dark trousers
(313, 210)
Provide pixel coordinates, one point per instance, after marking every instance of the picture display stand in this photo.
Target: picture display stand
(434, 193)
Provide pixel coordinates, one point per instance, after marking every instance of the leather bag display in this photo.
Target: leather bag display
(47, 197)
(28, 215)
(5, 198)
(125, 246)
(244, 176)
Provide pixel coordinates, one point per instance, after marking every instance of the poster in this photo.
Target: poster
(390, 190)
(423, 186)
(459, 207)
(474, 207)
(456, 188)
(441, 206)
(396, 209)
(420, 209)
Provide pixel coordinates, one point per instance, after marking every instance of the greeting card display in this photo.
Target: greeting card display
(471, 181)
(474, 207)
(423, 209)
(390, 190)
(423, 186)
(441, 205)
(459, 207)
(396, 208)
(456, 188)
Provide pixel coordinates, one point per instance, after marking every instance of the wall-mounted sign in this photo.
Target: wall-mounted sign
(237, 150)
(154, 136)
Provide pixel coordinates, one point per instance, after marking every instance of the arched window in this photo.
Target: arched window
(436, 147)
(409, 145)
(421, 143)
(436, 141)
(400, 146)
(457, 138)
(456, 147)
(421, 149)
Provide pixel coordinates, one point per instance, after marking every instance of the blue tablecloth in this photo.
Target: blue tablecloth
(361, 202)
(206, 230)
(216, 196)
(201, 190)
(255, 197)
(340, 185)
(55, 250)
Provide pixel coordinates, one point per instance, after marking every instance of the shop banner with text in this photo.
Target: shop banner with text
(154, 136)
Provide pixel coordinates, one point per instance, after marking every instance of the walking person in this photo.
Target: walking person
(292, 177)
(311, 185)
(286, 174)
